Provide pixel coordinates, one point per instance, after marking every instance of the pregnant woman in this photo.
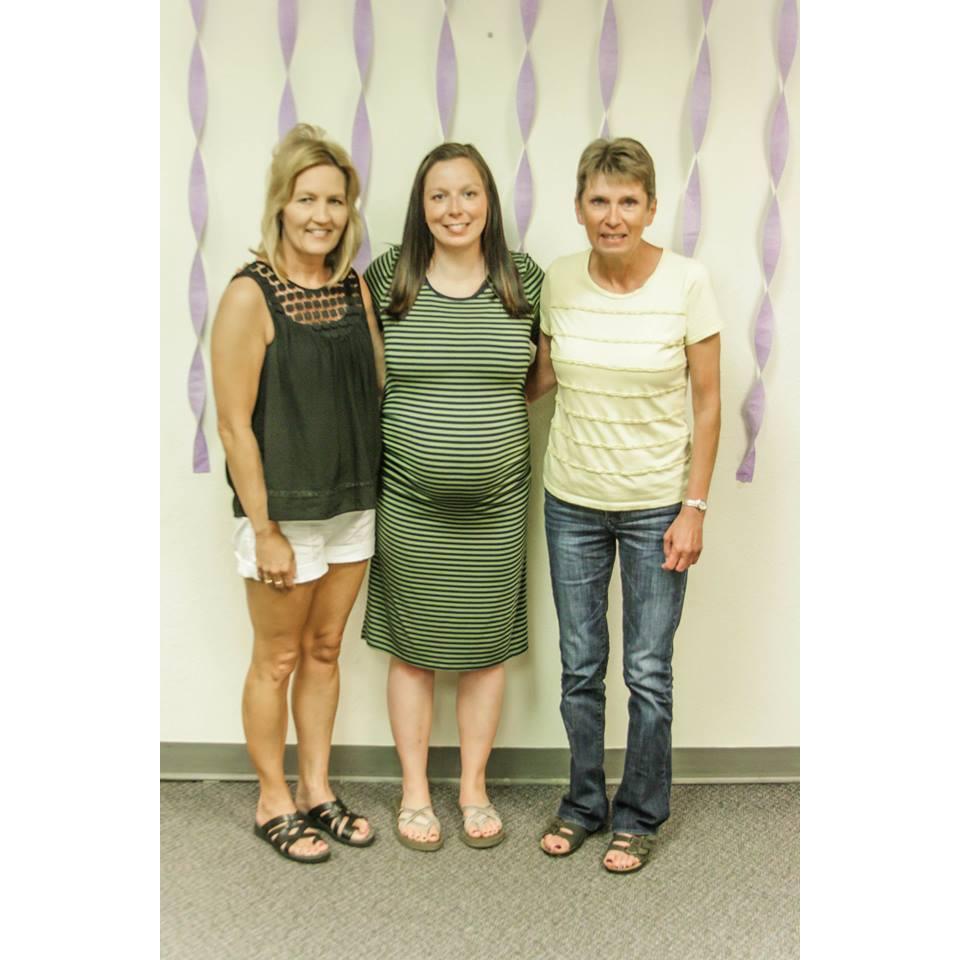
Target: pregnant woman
(447, 583)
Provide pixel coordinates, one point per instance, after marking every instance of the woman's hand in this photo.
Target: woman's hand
(683, 541)
(276, 565)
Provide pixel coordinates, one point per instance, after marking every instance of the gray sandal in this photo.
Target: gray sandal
(424, 819)
(632, 844)
(475, 816)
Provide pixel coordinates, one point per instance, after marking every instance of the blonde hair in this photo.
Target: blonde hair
(303, 147)
(622, 158)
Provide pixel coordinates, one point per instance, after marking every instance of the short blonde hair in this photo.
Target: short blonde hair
(622, 158)
(303, 147)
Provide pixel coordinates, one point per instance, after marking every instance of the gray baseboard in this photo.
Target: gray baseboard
(229, 761)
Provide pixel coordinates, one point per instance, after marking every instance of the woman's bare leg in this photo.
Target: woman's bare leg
(479, 701)
(316, 685)
(278, 621)
(410, 703)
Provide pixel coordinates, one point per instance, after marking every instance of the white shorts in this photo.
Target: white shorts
(316, 543)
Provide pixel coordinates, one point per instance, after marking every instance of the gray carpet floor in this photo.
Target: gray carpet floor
(723, 883)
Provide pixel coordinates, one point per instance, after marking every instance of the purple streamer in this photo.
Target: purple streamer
(526, 97)
(701, 96)
(754, 405)
(446, 76)
(287, 24)
(779, 140)
(361, 142)
(198, 294)
(523, 196)
(753, 410)
(197, 87)
(787, 42)
(197, 197)
(361, 146)
(529, 9)
(763, 338)
(197, 392)
(699, 113)
(198, 194)
(608, 55)
(201, 456)
(691, 212)
(526, 106)
(771, 240)
(363, 36)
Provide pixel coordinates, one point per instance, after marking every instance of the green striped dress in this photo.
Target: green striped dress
(447, 586)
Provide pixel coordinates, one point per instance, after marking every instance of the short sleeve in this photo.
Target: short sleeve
(703, 314)
(531, 277)
(379, 277)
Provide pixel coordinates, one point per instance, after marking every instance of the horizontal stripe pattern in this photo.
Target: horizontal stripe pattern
(447, 584)
(619, 439)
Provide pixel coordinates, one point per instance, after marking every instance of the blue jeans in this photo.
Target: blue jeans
(582, 543)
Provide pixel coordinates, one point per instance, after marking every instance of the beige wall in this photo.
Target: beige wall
(737, 650)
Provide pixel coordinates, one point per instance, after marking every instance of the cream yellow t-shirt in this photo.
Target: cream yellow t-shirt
(619, 438)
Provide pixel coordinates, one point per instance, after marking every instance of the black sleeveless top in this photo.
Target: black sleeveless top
(317, 415)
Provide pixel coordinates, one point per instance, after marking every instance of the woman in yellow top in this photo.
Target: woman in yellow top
(623, 325)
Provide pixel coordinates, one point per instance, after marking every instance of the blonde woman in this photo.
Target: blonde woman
(296, 358)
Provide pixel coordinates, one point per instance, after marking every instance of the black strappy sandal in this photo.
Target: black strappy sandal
(633, 845)
(335, 819)
(284, 831)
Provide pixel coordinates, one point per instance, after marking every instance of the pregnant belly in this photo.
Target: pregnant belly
(455, 455)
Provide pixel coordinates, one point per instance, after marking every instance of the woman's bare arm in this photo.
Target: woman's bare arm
(242, 331)
(683, 541)
(374, 333)
(540, 377)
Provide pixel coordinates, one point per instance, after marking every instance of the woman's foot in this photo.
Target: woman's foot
(307, 799)
(482, 826)
(310, 844)
(474, 795)
(561, 837)
(420, 829)
(627, 852)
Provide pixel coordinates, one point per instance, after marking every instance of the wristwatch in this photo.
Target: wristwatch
(700, 505)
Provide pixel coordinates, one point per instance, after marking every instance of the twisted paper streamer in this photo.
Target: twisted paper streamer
(753, 407)
(446, 75)
(526, 103)
(287, 22)
(196, 380)
(608, 61)
(361, 146)
(699, 110)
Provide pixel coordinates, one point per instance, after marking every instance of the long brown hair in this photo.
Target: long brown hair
(416, 248)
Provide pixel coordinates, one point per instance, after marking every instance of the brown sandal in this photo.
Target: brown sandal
(567, 830)
(633, 845)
